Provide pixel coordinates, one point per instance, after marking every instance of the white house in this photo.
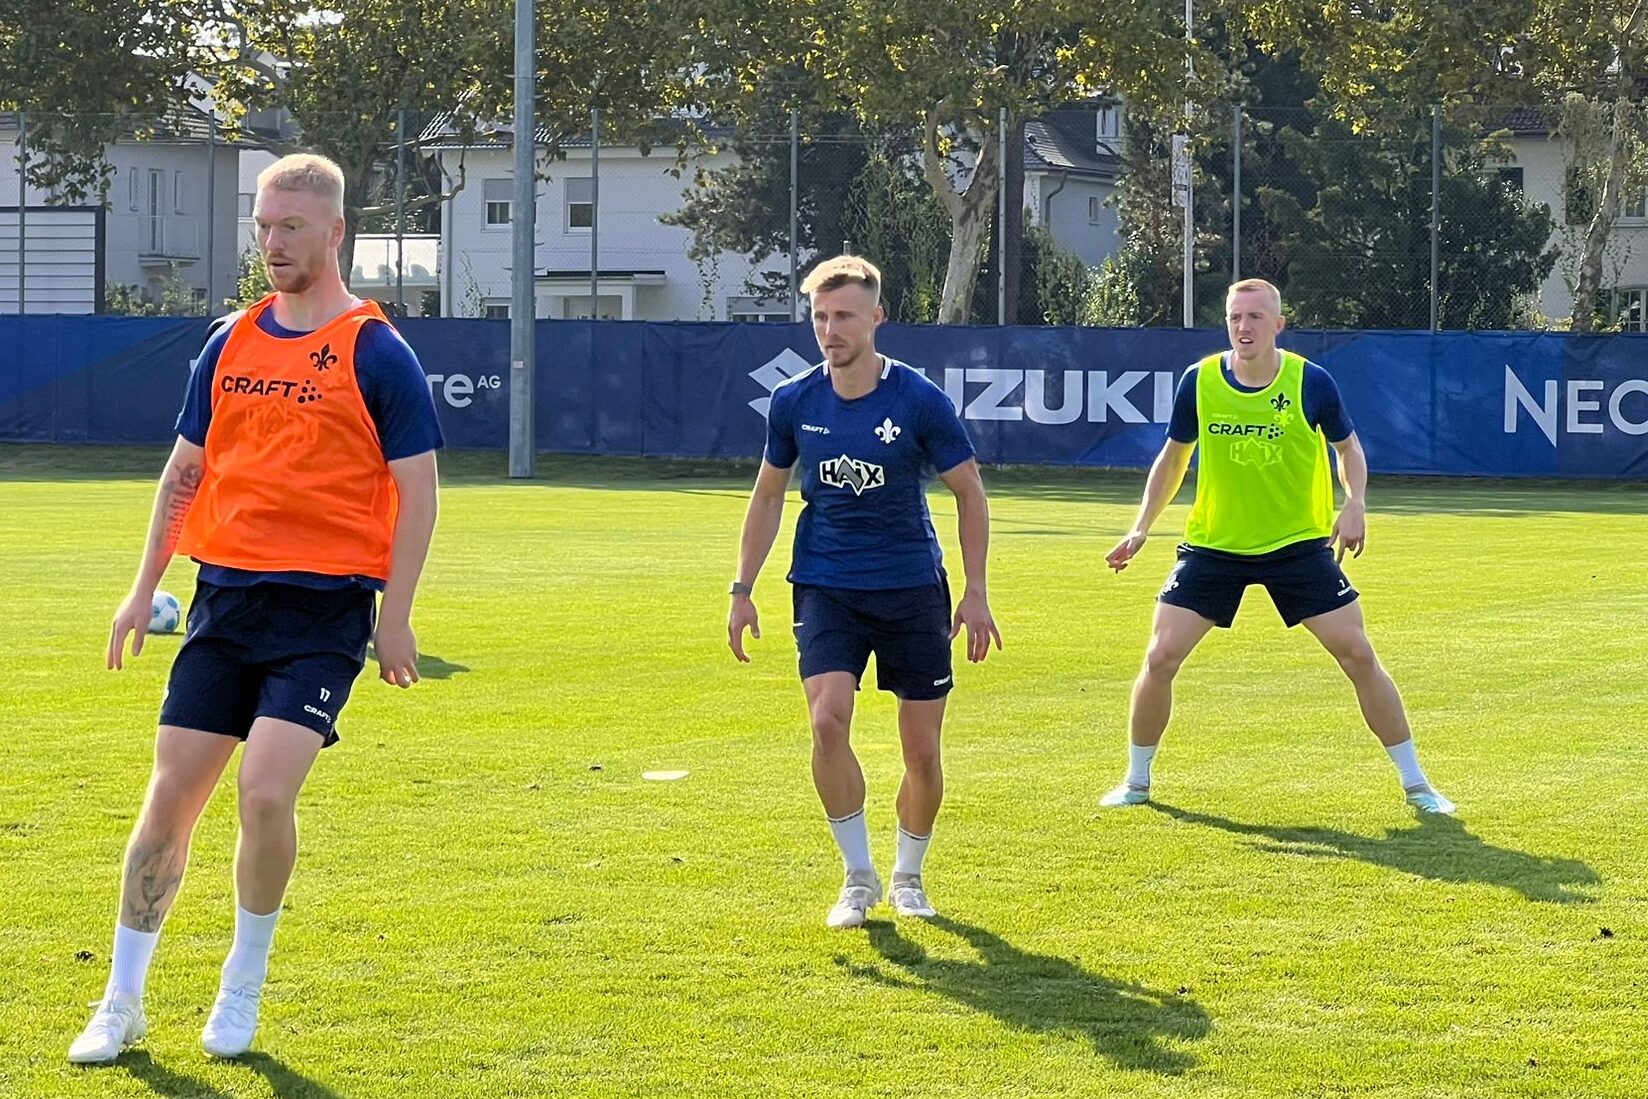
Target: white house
(1072, 157)
(1539, 166)
(645, 270)
(170, 211)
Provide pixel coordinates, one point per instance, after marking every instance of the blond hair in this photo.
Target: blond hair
(1259, 285)
(305, 172)
(839, 271)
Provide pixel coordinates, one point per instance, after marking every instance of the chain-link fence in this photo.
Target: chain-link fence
(1473, 217)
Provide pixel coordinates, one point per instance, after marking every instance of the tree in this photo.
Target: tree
(1585, 62)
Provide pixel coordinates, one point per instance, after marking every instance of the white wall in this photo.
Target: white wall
(184, 214)
(634, 191)
(1625, 260)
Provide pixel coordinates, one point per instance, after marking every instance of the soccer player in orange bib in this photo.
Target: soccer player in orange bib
(303, 482)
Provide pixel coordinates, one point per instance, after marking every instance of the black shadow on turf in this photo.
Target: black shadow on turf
(429, 665)
(1125, 1023)
(1438, 848)
(283, 1081)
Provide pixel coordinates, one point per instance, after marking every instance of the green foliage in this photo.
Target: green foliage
(251, 280)
(173, 298)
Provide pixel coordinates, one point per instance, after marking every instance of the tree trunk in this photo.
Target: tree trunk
(970, 211)
(1596, 236)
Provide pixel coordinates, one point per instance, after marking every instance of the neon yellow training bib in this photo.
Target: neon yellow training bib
(1263, 480)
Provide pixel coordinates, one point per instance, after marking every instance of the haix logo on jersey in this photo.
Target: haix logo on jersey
(845, 472)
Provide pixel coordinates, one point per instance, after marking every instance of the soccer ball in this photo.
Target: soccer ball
(164, 613)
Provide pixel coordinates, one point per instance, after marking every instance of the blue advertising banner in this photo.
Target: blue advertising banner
(1487, 404)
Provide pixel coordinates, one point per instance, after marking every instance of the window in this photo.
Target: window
(131, 188)
(1095, 210)
(177, 193)
(246, 200)
(1510, 179)
(495, 311)
(580, 204)
(757, 311)
(1631, 307)
(497, 194)
(1634, 205)
(1108, 126)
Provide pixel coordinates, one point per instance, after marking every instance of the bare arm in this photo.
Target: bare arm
(973, 531)
(1351, 530)
(179, 484)
(761, 522)
(1167, 474)
(416, 482)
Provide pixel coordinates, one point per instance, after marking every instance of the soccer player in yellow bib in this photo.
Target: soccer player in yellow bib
(1263, 419)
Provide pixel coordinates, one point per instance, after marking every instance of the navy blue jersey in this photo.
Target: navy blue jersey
(1323, 408)
(396, 394)
(865, 464)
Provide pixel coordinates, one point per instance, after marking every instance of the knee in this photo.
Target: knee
(831, 726)
(1357, 659)
(264, 806)
(1162, 661)
(921, 756)
(169, 811)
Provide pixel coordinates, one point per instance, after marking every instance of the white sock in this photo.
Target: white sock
(852, 835)
(1138, 764)
(129, 965)
(911, 850)
(248, 961)
(1406, 759)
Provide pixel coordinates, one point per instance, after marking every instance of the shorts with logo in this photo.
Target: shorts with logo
(908, 630)
(1303, 581)
(268, 650)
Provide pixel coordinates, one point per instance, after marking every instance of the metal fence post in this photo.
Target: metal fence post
(22, 208)
(400, 210)
(1236, 196)
(1436, 215)
(594, 212)
(1001, 217)
(795, 206)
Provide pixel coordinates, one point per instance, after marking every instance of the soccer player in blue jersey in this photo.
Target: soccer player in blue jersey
(868, 575)
(1263, 420)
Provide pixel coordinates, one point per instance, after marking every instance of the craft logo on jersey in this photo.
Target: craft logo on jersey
(845, 472)
(888, 431)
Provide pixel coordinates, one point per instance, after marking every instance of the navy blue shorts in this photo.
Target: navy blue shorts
(1303, 581)
(268, 650)
(908, 630)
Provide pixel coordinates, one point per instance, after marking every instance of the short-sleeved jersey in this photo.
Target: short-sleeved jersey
(1323, 407)
(865, 464)
(396, 394)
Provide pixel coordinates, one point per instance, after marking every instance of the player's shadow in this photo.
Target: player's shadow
(429, 665)
(284, 1082)
(1439, 848)
(1125, 1023)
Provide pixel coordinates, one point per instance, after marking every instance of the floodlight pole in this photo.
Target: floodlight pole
(522, 223)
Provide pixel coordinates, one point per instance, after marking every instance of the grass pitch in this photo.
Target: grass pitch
(490, 901)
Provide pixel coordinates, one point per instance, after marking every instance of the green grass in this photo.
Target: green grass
(490, 900)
